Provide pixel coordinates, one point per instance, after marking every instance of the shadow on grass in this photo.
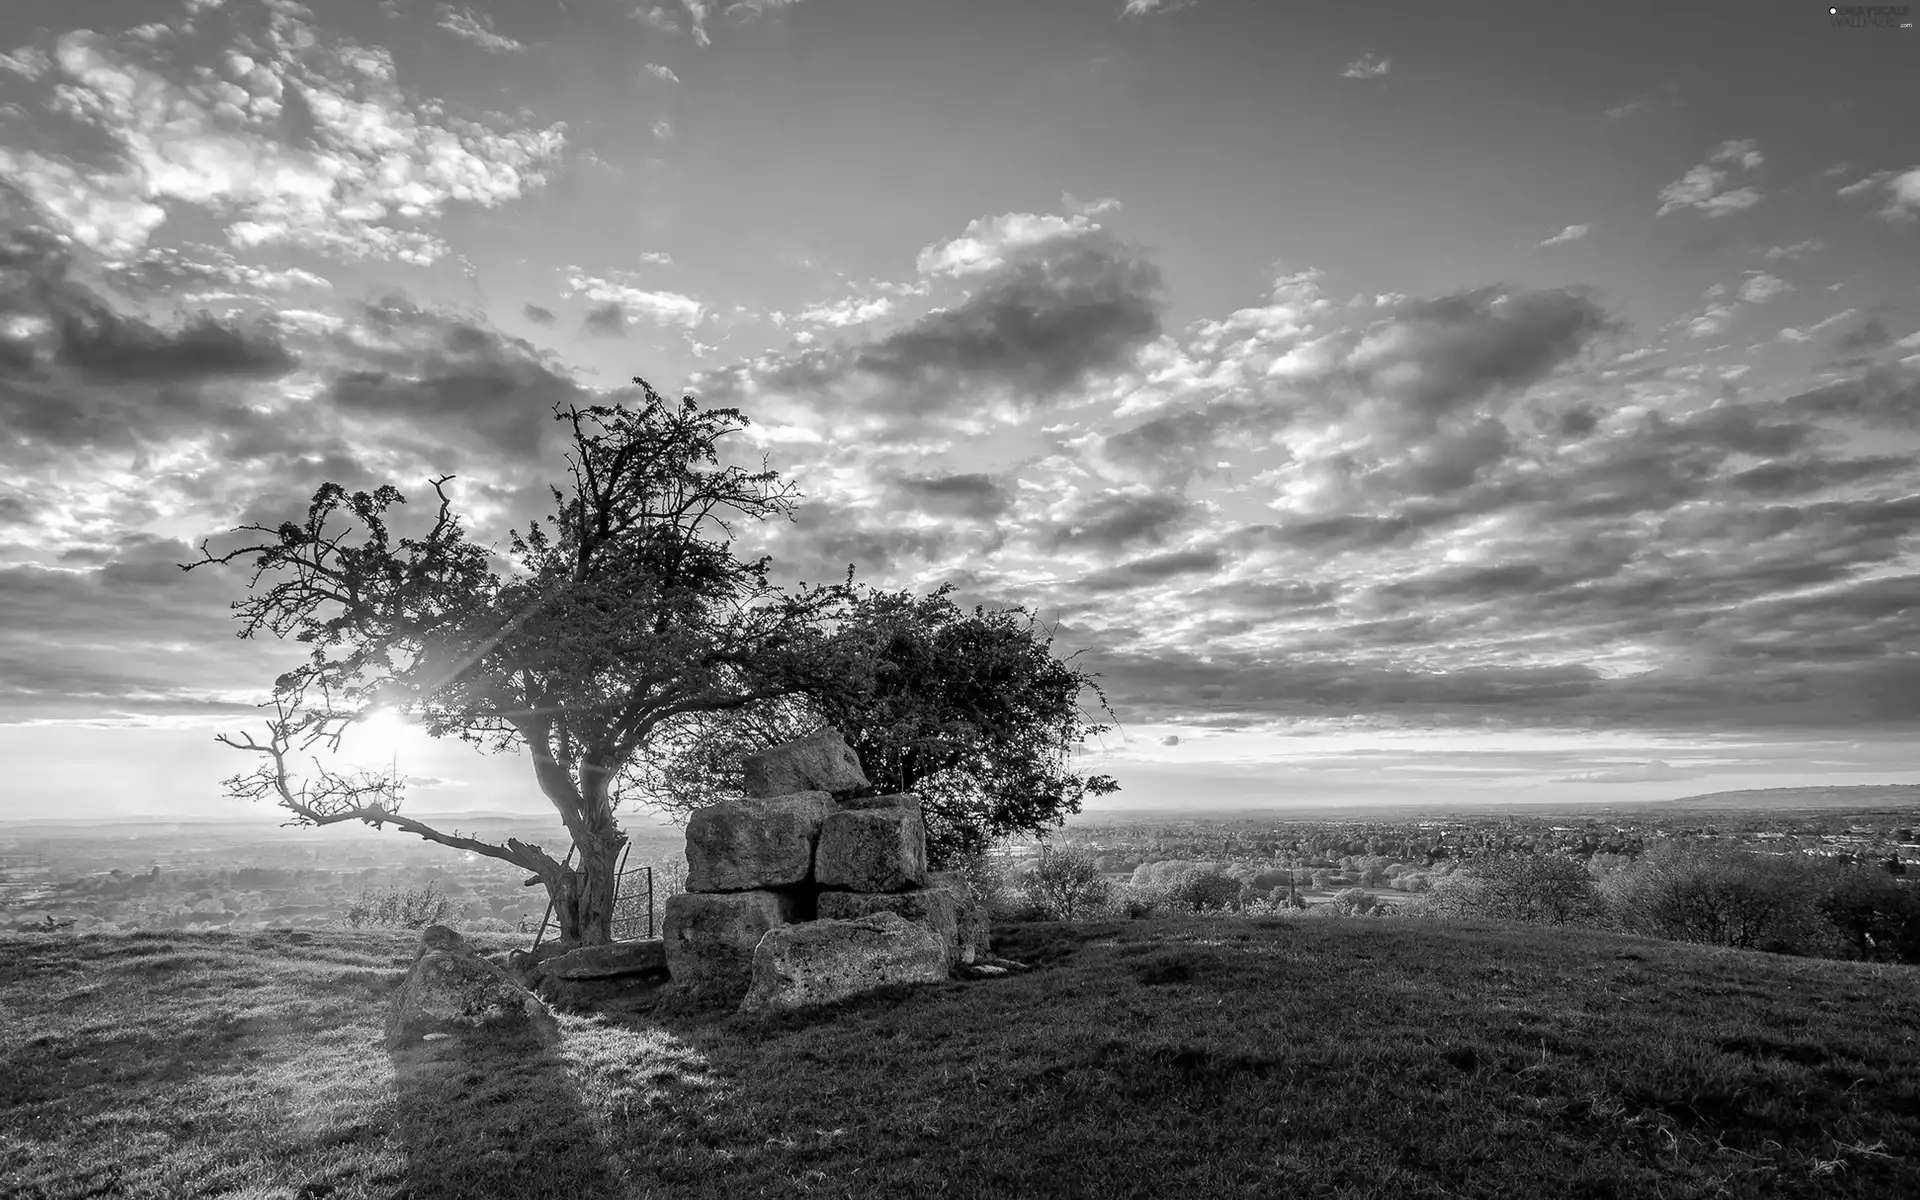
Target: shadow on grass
(496, 1114)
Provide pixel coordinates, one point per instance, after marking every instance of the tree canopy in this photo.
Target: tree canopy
(970, 712)
(620, 621)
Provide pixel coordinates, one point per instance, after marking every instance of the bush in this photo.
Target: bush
(1353, 902)
(412, 908)
(1876, 917)
(1065, 885)
(1721, 895)
(1538, 889)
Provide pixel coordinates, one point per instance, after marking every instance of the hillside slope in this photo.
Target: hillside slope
(1298, 1057)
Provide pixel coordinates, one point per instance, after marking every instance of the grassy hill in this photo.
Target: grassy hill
(1282, 1057)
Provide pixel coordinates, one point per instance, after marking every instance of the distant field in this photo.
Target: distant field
(1206, 1058)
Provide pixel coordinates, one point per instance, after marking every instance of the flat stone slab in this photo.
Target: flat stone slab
(818, 962)
(645, 957)
(820, 761)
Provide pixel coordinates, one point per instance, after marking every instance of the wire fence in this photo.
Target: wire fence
(632, 902)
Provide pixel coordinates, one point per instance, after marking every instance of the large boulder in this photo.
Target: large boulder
(710, 939)
(974, 921)
(451, 989)
(820, 761)
(819, 962)
(872, 850)
(933, 908)
(741, 845)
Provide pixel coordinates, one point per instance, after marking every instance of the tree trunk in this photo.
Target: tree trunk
(583, 895)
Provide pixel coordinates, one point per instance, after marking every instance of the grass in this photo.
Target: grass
(1396, 1057)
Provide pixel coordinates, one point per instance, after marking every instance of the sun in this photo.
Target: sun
(377, 737)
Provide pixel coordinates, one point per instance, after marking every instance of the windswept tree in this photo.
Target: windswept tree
(972, 713)
(622, 620)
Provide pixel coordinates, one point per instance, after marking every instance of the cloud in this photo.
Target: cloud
(1743, 154)
(1807, 334)
(1903, 196)
(662, 130)
(1651, 772)
(75, 371)
(1871, 335)
(1797, 250)
(1115, 520)
(1883, 396)
(852, 311)
(1144, 8)
(619, 302)
(1047, 316)
(1088, 208)
(1367, 66)
(1571, 233)
(989, 242)
(400, 365)
(605, 320)
(1862, 186)
(1758, 289)
(28, 62)
(311, 143)
(1156, 569)
(656, 17)
(538, 315)
(476, 28)
(1701, 187)
(971, 496)
(662, 73)
(1621, 112)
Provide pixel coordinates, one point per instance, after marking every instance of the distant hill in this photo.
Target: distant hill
(1849, 796)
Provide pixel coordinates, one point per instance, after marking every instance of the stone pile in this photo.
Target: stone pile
(808, 889)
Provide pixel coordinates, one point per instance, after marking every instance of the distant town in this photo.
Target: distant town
(212, 876)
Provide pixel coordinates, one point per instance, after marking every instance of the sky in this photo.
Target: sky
(1392, 403)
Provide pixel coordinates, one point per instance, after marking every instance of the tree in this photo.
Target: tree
(1543, 889)
(1066, 884)
(1720, 895)
(971, 713)
(623, 620)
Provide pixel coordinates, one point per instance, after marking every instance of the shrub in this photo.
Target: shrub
(1353, 902)
(412, 908)
(1876, 917)
(1721, 896)
(1065, 885)
(1544, 889)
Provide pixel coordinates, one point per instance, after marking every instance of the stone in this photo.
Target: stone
(612, 960)
(872, 850)
(818, 962)
(933, 908)
(449, 989)
(747, 844)
(975, 922)
(820, 761)
(710, 938)
(891, 800)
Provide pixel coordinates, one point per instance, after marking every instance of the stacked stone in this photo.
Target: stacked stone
(805, 890)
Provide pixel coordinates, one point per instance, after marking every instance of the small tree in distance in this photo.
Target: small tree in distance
(1066, 884)
(622, 620)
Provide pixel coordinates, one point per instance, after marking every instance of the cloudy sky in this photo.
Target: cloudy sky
(1396, 401)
